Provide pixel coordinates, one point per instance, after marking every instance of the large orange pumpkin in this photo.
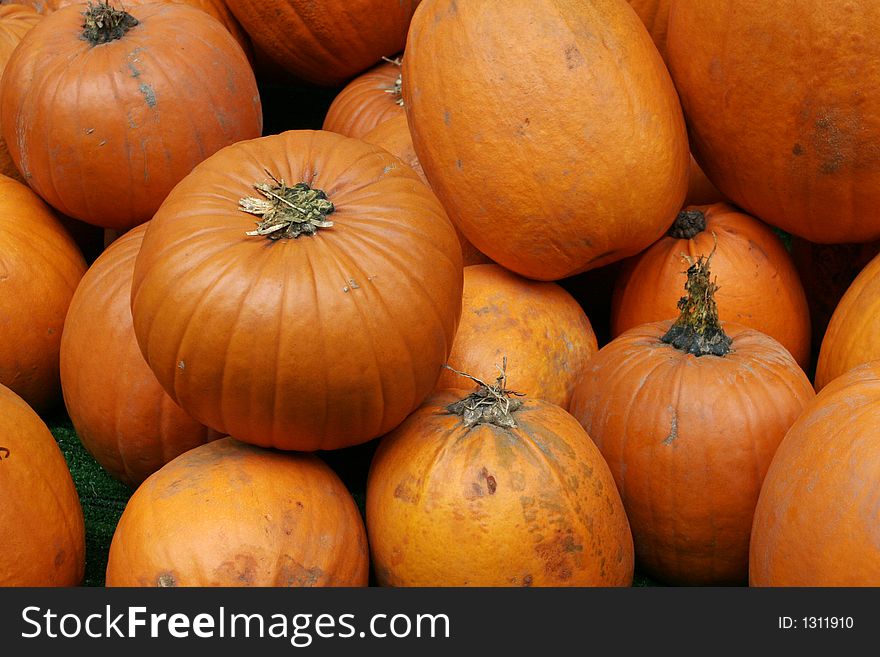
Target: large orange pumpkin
(688, 415)
(120, 412)
(485, 490)
(40, 267)
(655, 16)
(367, 101)
(15, 21)
(42, 534)
(163, 95)
(547, 185)
(816, 521)
(231, 514)
(781, 114)
(758, 285)
(319, 342)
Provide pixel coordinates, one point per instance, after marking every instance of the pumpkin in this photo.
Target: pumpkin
(538, 183)
(536, 325)
(367, 101)
(40, 267)
(166, 93)
(317, 342)
(655, 16)
(231, 514)
(120, 412)
(484, 489)
(688, 415)
(701, 191)
(816, 519)
(42, 533)
(327, 43)
(777, 99)
(758, 285)
(853, 334)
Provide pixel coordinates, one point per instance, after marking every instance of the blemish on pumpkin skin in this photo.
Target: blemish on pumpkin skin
(447, 117)
(797, 149)
(573, 57)
(673, 431)
(149, 94)
(166, 580)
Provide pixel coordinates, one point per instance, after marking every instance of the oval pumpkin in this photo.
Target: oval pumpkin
(231, 514)
(367, 101)
(535, 182)
(319, 342)
(15, 21)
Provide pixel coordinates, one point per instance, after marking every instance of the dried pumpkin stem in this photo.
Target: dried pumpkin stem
(688, 224)
(287, 211)
(489, 404)
(395, 89)
(102, 23)
(697, 330)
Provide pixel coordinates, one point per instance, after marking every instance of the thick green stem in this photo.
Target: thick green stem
(102, 23)
(688, 224)
(489, 404)
(288, 212)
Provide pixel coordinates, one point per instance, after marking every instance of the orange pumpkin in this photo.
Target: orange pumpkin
(15, 21)
(758, 285)
(42, 534)
(231, 514)
(367, 101)
(816, 519)
(541, 184)
(701, 190)
(655, 16)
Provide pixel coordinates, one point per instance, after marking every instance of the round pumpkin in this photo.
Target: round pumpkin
(483, 489)
(688, 415)
(120, 412)
(780, 112)
(319, 341)
(40, 267)
(15, 21)
(816, 519)
(536, 325)
(367, 101)
(231, 514)
(42, 534)
(536, 181)
(163, 95)
(758, 285)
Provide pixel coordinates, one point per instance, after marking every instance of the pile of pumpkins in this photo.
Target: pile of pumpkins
(500, 188)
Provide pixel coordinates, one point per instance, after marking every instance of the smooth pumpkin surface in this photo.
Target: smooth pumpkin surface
(42, 534)
(365, 102)
(816, 519)
(231, 514)
(701, 190)
(782, 114)
(655, 16)
(319, 342)
(120, 412)
(531, 505)
(538, 183)
(15, 21)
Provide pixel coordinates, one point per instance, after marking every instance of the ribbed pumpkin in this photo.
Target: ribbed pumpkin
(816, 520)
(758, 285)
(319, 342)
(688, 416)
(483, 489)
(15, 21)
(778, 97)
(538, 182)
(231, 514)
(367, 101)
(164, 93)
(120, 412)
(40, 267)
(42, 534)
(538, 326)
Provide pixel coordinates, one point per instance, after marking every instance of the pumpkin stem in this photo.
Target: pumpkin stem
(395, 89)
(697, 330)
(288, 211)
(102, 23)
(687, 224)
(489, 404)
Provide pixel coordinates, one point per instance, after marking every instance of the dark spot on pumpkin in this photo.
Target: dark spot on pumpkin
(149, 94)
(242, 568)
(491, 484)
(447, 117)
(556, 554)
(4, 453)
(60, 558)
(797, 150)
(295, 574)
(527, 580)
(459, 164)
(407, 490)
(166, 580)
(573, 57)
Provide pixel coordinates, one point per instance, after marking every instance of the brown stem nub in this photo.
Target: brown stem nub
(102, 23)
(489, 404)
(688, 224)
(288, 211)
(697, 330)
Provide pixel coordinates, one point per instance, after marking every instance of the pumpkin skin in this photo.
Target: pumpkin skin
(365, 102)
(655, 16)
(688, 440)
(533, 505)
(538, 326)
(15, 21)
(701, 191)
(758, 285)
(40, 267)
(42, 533)
(327, 44)
(231, 514)
(781, 118)
(816, 519)
(189, 90)
(221, 316)
(120, 412)
(501, 156)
